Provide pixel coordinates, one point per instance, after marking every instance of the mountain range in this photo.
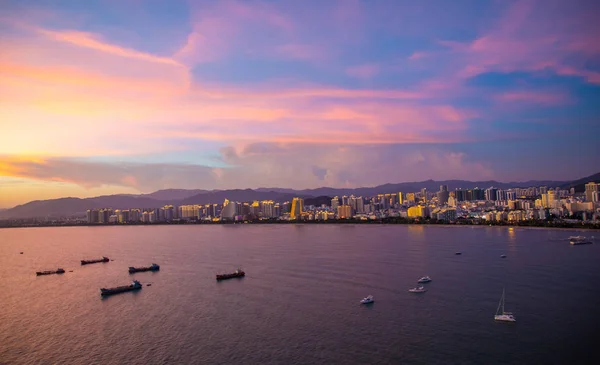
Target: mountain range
(78, 206)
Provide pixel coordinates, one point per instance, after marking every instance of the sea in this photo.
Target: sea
(299, 302)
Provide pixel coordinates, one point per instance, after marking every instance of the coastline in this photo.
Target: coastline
(384, 222)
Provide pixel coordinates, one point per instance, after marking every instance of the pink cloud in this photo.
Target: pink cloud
(366, 71)
(417, 56)
(530, 34)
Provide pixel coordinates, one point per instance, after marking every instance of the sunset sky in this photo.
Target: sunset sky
(131, 96)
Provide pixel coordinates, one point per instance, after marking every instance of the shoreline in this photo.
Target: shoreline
(589, 227)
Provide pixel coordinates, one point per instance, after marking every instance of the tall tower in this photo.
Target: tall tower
(589, 191)
(297, 208)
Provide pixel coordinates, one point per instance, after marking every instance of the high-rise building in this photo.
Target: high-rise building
(589, 190)
(478, 194)
(267, 209)
(596, 196)
(229, 210)
(424, 194)
(443, 194)
(491, 194)
(335, 203)
(460, 195)
(344, 211)
(501, 195)
(297, 208)
(410, 197)
(400, 199)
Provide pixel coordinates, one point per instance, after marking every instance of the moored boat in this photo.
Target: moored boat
(135, 285)
(367, 300)
(424, 279)
(579, 240)
(87, 262)
(50, 272)
(501, 315)
(153, 267)
(236, 274)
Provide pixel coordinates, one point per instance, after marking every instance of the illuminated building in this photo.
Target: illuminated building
(297, 208)
(344, 211)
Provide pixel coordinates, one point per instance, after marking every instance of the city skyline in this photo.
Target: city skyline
(104, 98)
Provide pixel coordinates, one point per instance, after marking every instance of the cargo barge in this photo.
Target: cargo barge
(87, 262)
(50, 272)
(135, 285)
(153, 267)
(236, 274)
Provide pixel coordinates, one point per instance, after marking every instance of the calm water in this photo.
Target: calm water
(299, 301)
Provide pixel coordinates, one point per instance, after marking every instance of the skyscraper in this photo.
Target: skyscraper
(443, 194)
(424, 194)
(400, 199)
(491, 194)
(335, 203)
(297, 208)
(344, 211)
(229, 210)
(589, 190)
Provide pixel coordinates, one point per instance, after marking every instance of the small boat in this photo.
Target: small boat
(501, 315)
(236, 274)
(579, 240)
(424, 279)
(50, 272)
(153, 267)
(135, 285)
(458, 253)
(418, 289)
(21, 252)
(503, 256)
(87, 262)
(367, 300)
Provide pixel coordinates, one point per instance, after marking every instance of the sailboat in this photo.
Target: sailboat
(502, 315)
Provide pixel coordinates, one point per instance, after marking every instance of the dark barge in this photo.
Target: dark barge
(50, 272)
(87, 262)
(135, 285)
(153, 267)
(236, 274)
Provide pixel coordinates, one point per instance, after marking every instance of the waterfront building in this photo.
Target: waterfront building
(590, 188)
(344, 212)
(335, 203)
(298, 208)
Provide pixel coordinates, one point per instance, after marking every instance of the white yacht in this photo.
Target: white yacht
(367, 300)
(418, 289)
(424, 279)
(501, 315)
(579, 240)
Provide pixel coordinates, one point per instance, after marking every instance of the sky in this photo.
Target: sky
(132, 96)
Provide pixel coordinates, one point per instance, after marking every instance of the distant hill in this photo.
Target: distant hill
(318, 196)
(174, 194)
(579, 185)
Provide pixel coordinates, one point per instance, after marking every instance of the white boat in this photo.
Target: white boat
(367, 300)
(424, 279)
(501, 315)
(418, 289)
(579, 240)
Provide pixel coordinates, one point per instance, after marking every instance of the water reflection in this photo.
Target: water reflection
(512, 239)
